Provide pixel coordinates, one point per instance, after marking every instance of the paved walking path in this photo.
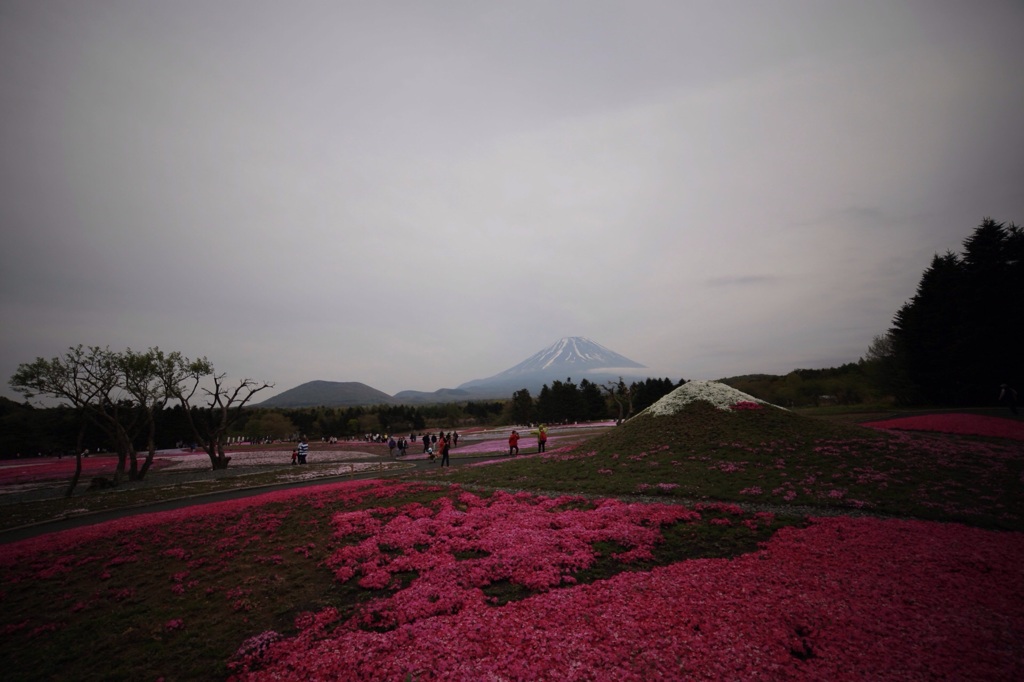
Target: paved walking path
(413, 462)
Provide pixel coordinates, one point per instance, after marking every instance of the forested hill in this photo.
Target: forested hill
(849, 384)
(328, 394)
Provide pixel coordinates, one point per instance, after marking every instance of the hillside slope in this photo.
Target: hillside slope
(328, 394)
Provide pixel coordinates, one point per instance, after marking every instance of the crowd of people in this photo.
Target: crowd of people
(435, 445)
(439, 445)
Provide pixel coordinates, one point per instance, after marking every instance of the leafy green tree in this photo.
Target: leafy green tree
(142, 375)
(484, 412)
(121, 392)
(273, 425)
(394, 419)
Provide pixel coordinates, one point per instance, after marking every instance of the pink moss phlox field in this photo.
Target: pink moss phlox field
(842, 599)
(456, 550)
(845, 599)
(34, 470)
(965, 424)
(190, 521)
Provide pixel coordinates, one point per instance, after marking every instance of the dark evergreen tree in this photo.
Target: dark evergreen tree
(959, 337)
(593, 405)
(649, 391)
(559, 404)
(522, 410)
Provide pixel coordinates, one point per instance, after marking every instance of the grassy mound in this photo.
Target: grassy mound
(747, 451)
(700, 424)
(705, 414)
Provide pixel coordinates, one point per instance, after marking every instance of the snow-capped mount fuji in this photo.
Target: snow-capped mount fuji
(572, 352)
(573, 357)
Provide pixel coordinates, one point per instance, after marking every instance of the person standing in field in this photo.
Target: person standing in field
(303, 450)
(542, 439)
(513, 443)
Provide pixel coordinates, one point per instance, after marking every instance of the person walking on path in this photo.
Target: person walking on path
(391, 446)
(444, 444)
(303, 450)
(1008, 396)
(542, 439)
(513, 443)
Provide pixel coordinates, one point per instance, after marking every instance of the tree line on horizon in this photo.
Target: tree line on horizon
(129, 426)
(952, 344)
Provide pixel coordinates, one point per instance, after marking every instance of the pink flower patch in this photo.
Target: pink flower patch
(966, 424)
(814, 604)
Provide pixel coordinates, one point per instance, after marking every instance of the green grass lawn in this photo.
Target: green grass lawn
(780, 458)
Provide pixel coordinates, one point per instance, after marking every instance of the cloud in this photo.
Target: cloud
(414, 196)
(743, 281)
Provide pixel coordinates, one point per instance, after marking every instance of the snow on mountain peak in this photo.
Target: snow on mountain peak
(573, 352)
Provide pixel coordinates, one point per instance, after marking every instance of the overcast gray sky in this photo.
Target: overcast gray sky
(414, 194)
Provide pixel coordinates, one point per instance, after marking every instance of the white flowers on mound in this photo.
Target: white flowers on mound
(718, 394)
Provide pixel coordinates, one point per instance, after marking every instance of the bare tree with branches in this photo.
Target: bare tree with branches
(223, 406)
(622, 393)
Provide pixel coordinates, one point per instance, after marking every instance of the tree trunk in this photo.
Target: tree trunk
(122, 461)
(133, 470)
(146, 464)
(218, 460)
(151, 448)
(222, 459)
(78, 461)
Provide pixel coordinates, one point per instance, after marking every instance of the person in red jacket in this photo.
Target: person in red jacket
(513, 443)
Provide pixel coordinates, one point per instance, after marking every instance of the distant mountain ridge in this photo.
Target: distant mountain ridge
(572, 357)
